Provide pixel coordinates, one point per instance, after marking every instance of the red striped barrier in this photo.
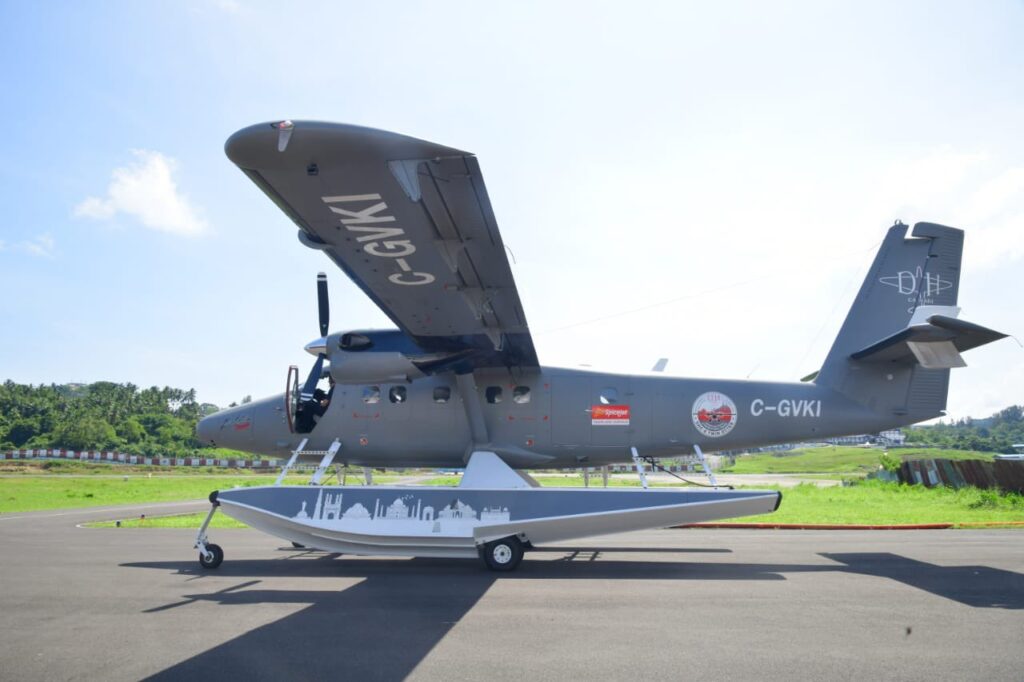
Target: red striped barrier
(125, 458)
(822, 526)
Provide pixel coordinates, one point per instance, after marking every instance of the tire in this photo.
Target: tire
(504, 554)
(217, 556)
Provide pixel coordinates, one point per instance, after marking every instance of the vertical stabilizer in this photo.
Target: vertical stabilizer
(908, 274)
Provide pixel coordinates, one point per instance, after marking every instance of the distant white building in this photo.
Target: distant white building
(892, 437)
(887, 438)
(850, 440)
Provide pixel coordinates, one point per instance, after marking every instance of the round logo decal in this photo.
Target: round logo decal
(714, 414)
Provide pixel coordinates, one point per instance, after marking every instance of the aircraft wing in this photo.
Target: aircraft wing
(408, 221)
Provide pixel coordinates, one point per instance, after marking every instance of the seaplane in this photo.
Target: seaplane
(458, 384)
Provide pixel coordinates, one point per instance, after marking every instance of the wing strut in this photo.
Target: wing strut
(474, 412)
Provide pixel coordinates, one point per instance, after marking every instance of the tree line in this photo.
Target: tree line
(100, 416)
(998, 433)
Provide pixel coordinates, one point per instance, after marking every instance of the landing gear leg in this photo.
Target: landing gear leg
(210, 555)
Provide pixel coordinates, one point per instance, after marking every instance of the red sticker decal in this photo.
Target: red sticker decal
(609, 415)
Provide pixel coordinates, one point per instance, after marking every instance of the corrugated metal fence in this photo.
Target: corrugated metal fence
(1006, 475)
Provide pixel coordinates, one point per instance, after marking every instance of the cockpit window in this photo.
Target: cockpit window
(371, 394)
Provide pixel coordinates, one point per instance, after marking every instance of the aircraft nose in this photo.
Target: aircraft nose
(205, 430)
(228, 428)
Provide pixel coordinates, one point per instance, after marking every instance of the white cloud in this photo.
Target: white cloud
(146, 190)
(970, 190)
(41, 245)
(921, 180)
(1002, 191)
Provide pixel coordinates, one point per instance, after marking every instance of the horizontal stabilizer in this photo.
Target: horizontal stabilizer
(934, 343)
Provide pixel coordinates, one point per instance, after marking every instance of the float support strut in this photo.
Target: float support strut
(291, 462)
(639, 467)
(704, 463)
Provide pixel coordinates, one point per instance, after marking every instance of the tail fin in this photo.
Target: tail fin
(894, 351)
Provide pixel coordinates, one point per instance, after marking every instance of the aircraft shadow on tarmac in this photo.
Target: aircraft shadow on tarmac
(978, 586)
(385, 625)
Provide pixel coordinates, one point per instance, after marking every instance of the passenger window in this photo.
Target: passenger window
(397, 394)
(521, 395)
(609, 396)
(493, 394)
(371, 394)
(442, 394)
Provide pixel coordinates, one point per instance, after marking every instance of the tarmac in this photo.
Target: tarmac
(125, 604)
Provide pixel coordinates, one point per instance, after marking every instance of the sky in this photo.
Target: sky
(706, 182)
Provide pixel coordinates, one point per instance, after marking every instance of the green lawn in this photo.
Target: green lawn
(32, 493)
(878, 503)
(573, 480)
(869, 503)
(840, 459)
(179, 521)
(71, 484)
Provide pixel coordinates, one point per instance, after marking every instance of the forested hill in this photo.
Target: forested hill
(997, 433)
(100, 416)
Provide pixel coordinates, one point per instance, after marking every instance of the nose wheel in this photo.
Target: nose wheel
(211, 557)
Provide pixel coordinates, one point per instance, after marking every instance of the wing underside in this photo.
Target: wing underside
(408, 221)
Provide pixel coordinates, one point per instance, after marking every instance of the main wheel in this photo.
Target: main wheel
(504, 554)
(216, 556)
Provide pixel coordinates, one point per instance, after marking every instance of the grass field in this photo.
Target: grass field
(572, 480)
(880, 503)
(867, 502)
(38, 492)
(179, 521)
(838, 459)
(28, 486)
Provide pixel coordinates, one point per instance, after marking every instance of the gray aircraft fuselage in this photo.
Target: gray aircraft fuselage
(567, 418)
(409, 222)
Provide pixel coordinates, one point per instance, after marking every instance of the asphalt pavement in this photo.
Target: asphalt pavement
(125, 604)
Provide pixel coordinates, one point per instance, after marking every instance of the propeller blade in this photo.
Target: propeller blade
(322, 303)
(309, 387)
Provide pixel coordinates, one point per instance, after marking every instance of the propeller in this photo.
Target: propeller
(323, 306)
(319, 347)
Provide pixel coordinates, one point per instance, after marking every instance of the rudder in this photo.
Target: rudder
(919, 274)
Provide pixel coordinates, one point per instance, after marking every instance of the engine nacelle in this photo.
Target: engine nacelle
(370, 367)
